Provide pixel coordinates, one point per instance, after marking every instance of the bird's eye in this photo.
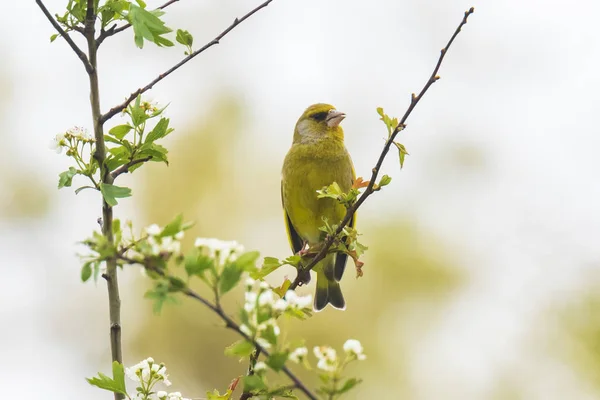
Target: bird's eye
(320, 116)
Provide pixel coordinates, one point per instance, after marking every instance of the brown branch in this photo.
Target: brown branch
(123, 169)
(229, 322)
(65, 35)
(375, 171)
(117, 109)
(113, 30)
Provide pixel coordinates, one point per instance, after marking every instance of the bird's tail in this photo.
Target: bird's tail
(328, 289)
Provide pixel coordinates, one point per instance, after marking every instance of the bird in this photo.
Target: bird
(317, 158)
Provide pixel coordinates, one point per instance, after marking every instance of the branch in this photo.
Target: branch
(111, 276)
(117, 109)
(65, 35)
(369, 190)
(229, 322)
(123, 169)
(113, 30)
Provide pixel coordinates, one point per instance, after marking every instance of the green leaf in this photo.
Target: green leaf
(65, 179)
(241, 348)
(247, 261)
(147, 25)
(120, 131)
(349, 384)
(173, 227)
(196, 263)
(277, 360)
(119, 374)
(111, 139)
(160, 131)
(161, 295)
(156, 151)
(254, 382)
(86, 271)
(269, 333)
(294, 260)
(184, 37)
(270, 264)
(229, 277)
(137, 113)
(113, 162)
(112, 192)
(401, 152)
(176, 284)
(215, 395)
(116, 385)
(53, 37)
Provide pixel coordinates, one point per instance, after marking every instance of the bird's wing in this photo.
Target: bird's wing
(295, 240)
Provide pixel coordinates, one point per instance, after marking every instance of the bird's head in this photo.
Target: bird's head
(319, 121)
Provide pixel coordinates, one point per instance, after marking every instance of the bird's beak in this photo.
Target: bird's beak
(334, 118)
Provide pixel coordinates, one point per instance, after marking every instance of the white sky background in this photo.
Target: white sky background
(520, 84)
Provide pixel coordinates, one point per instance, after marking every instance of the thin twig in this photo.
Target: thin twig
(229, 322)
(123, 169)
(113, 30)
(117, 109)
(370, 188)
(65, 35)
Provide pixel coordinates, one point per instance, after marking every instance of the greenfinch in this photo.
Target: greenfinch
(317, 158)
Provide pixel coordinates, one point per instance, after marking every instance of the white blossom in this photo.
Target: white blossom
(271, 322)
(161, 394)
(169, 245)
(327, 358)
(264, 285)
(298, 354)
(280, 305)
(176, 396)
(250, 283)
(266, 298)
(79, 133)
(58, 142)
(353, 348)
(179, 235)
(153, 230)
(298, 301)
(260, 366)
(225, 250)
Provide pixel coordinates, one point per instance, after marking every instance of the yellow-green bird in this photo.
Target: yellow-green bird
(316, 159)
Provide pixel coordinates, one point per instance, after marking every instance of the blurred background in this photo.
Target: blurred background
(483, 272)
